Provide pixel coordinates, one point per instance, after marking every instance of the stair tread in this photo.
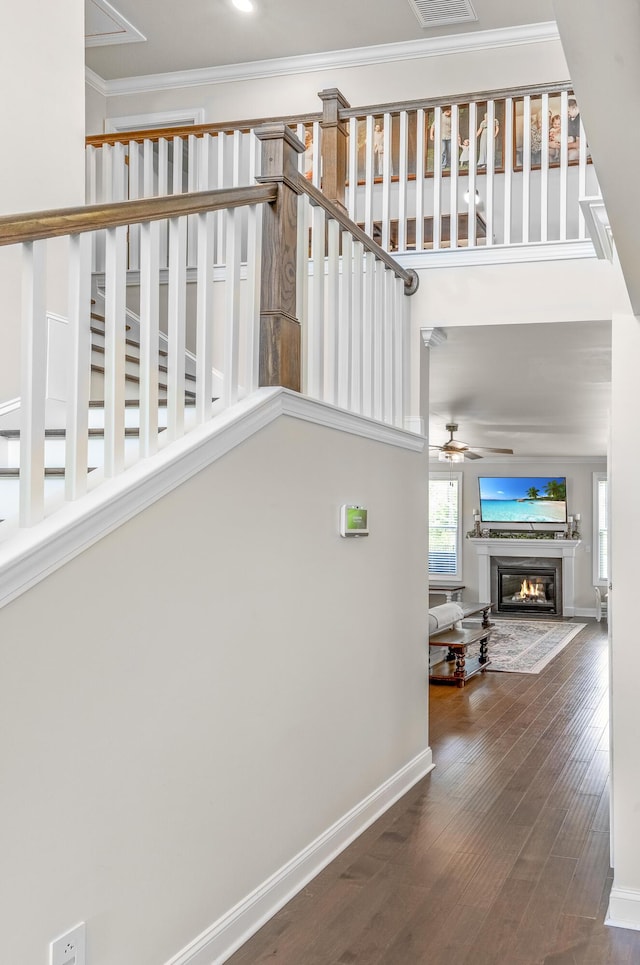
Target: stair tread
(136, 380)
(135, 403)
(130, 432)
(131, 342)
(51, 471)
(133, 358)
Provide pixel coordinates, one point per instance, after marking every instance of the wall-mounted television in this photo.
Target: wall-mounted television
(523, 499)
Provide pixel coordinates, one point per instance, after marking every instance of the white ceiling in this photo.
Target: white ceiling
(515, 377)
(210, 33)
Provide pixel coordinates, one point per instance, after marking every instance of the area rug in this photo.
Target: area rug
(527, 646)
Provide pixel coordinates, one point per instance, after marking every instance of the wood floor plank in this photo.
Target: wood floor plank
(500, 856)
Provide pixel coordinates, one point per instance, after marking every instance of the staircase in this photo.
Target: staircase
(55, 434)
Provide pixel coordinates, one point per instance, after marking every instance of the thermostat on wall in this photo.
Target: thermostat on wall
(353, 521)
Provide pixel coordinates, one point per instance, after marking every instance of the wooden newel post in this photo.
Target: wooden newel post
(335, 135)
(279, 327)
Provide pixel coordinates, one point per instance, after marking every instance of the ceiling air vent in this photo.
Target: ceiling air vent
(437, 13)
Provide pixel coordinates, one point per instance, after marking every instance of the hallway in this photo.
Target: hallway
(500, 856)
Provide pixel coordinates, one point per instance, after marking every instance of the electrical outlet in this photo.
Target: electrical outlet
(70, 948)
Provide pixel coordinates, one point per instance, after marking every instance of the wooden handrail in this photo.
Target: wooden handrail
(316, 197)
(197, 130)
(38, 225)
(535, 90)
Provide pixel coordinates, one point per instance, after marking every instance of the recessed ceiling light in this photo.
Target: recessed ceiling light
(245, 5)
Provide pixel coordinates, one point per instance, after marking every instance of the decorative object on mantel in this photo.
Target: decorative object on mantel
(510, 534)
(527, 646)
(476, 523)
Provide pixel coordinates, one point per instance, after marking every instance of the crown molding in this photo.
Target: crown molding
(95, 80)
(496, 254)
(332, 59)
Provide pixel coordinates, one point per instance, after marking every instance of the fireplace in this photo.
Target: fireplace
(527, 585)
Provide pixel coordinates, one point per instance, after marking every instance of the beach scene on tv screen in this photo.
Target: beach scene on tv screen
(523, 499)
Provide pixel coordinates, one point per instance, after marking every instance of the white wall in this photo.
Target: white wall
(428, 76)
(579, 499)
(42, 75)
(189, 703)
(625, 654)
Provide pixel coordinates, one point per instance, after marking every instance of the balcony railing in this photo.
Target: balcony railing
(500, 168)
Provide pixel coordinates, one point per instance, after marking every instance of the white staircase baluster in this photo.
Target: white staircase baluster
(437, 178)
(33, 383)
(344, 360)
(176, 326)
(355, 399)
(472, 229)
(252, 313)
(403, 177)
(333, 311)
(564, 163)
(379, 320)
(388, 346)
(453, 179)
(114, 349)
(397, 298)
(219, 146)
(368, 178)
(135, 192)
(507, 151)
(204, 317)
(79, 379)
(192, 185)
(149, 335)
(368, 328)
(420, 156)
(582, 180)
(526, 168)
(544, 168)
(231, 364)
(491, 169)
(163, 189)
(385, 214)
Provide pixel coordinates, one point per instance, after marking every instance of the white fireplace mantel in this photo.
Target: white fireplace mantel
(541, 548)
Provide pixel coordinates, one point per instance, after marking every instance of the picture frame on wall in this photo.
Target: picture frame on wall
(558, 128)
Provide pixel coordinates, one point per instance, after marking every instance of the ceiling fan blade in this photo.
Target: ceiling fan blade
(506, 452)
(471, 455)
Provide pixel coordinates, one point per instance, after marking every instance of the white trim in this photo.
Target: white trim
(218, 942)
(124, 32)
(144, 122)
(624, 908)
(496, 254)
(335, 59)
(29, 555)
(96, 81)
(9, 406)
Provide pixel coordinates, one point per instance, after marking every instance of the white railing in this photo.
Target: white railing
(221, 328)
(430, 175)
(348, 294)
(354, 313)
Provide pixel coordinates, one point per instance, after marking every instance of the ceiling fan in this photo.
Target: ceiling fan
(455, 451)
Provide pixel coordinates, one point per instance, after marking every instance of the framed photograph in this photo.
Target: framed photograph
(568, 127)
(464, 139)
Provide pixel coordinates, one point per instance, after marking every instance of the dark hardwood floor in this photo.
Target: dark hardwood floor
(500, 856)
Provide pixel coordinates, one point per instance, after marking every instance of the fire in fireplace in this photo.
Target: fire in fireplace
(527, 585)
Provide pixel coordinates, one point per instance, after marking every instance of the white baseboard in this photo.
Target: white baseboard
(218, 942)
(624, 909)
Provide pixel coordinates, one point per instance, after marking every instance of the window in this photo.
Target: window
(445, 490)
(600, 528)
